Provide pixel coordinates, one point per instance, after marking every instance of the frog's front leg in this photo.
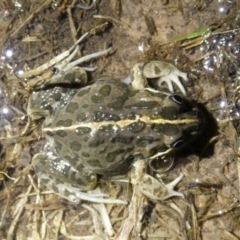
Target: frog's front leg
(151, 187)
(74, 75)
(163, 71)
(42, 104)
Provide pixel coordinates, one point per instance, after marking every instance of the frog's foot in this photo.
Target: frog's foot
(66, 181)
(74, 194)
(151, 187)
(74, 75)
(174, 77)
(160, 70)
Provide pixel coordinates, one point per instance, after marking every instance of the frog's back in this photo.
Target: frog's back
(106, 124)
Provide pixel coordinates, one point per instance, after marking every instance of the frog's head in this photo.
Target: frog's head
(183, 121)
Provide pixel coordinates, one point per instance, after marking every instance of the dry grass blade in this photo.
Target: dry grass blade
(18, 211)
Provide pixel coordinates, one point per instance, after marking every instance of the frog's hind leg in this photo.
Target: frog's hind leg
(75, 75)
(57, 168)
(58, 175)
(66, 181)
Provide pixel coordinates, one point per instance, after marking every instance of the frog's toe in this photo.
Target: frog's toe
(174, 76)
(171, 185)
(156, 190)
(167, 81)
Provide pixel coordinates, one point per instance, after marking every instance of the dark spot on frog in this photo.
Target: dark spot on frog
(56, 96)
(96, 98)
(43, 180)
(58, 181)
(157, 70)
(49, 133)
(169, 113)
(111, 155)
(123, 167)
(80, 167)
(129, 159)
(61, 133)
(83, 92)
(131, 93)
(85, 139)
(118, 103)
(81, 117)
(122, 139)
(64, 123)
(104, 116)
(76, 179)
(37, 169)
(107, 128)
(72, 107)
(136, 127)
(46, 106)
(95, 163)
(103, 150)
(95, 143)
(55, 188)
(167, 129)
(105, 90)
(75, 146)
(85, 106)
(67, 193)
(82, 131)
(85, 154)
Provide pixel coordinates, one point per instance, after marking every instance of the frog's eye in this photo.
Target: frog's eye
(178, 144)
(177, 99)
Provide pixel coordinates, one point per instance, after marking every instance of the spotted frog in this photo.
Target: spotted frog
(109, 127)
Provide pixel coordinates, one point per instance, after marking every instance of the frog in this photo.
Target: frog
(110, 127)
